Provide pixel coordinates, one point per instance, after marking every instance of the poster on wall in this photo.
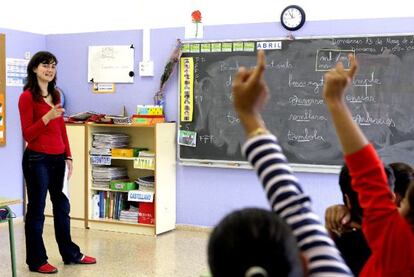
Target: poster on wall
(2, 89)
(2, 127)
(16, 72)
(111, 64)
(103, 88)
(186, 89)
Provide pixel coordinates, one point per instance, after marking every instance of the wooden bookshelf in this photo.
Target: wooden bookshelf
(160, 139)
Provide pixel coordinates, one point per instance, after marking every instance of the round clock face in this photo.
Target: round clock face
(292, 17)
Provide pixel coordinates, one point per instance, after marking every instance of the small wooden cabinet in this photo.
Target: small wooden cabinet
(160, 139)
(77, 141)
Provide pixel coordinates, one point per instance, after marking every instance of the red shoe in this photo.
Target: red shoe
(86, 260)
(46, 269)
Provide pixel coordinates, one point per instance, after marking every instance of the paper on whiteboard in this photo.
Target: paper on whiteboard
(111, 64)
(65, 188)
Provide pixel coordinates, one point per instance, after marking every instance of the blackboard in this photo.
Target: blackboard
(381, 97)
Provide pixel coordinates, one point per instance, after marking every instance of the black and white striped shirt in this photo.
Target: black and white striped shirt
(287, 199)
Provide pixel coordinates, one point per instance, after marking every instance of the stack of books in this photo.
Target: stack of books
(103, 175)
(130, 215)
(145, 183)
(102, 143)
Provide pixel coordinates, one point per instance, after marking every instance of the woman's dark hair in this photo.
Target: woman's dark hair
(32, 84)
(345, 181)
(253, 237)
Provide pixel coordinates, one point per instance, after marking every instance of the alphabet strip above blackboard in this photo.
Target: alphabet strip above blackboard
(381, 96)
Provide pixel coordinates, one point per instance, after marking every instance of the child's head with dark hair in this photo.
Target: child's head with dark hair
(350, 197)
(253, 241)
(410, 200)
(407, 205)
(404, 174)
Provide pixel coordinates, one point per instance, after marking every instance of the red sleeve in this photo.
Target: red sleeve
(65, 138)
(31, 129)
(370, 182)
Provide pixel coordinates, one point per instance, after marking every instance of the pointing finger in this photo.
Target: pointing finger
(353, 66)
(260, 66)
(339, 66)
(241, 75)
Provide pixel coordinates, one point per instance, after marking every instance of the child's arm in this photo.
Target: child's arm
(282, 189)
(366, 169)
(350, 135)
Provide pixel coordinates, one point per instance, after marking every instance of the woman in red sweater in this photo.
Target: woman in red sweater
(388, 231)
(44, 161)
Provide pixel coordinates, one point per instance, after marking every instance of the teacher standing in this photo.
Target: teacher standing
(44, 161)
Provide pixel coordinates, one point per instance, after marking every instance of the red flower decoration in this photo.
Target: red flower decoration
(196, 16)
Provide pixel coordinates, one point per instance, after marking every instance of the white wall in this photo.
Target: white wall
(57, 17)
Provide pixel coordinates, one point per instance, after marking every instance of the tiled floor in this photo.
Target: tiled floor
(178, 253)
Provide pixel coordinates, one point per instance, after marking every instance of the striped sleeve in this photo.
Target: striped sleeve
(287, 199)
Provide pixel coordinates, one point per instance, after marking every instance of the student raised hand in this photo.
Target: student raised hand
(250, 94)
(336, 81)
(251, 249)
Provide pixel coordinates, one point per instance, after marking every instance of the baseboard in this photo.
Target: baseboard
(183, 227)
(186, 227)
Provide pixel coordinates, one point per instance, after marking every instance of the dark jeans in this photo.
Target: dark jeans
(44, 172)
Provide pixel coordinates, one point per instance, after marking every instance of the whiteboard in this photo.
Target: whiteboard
(111, 64)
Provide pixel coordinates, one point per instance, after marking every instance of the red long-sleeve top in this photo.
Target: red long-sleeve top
(51, 138)
(388, 234)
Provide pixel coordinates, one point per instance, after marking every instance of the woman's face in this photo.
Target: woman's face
(45, 72)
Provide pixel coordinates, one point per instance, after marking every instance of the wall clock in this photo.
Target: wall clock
(292, 17)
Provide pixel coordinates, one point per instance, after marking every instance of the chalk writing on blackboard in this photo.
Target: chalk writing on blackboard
(380, 96)
(328, 58)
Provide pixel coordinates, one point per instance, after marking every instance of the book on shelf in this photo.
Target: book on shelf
(102, 204)
(110, 140)
(109, 205)
(146, 213)
(95, 206)
(107, 201)
(100, 151)
(130, 215)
